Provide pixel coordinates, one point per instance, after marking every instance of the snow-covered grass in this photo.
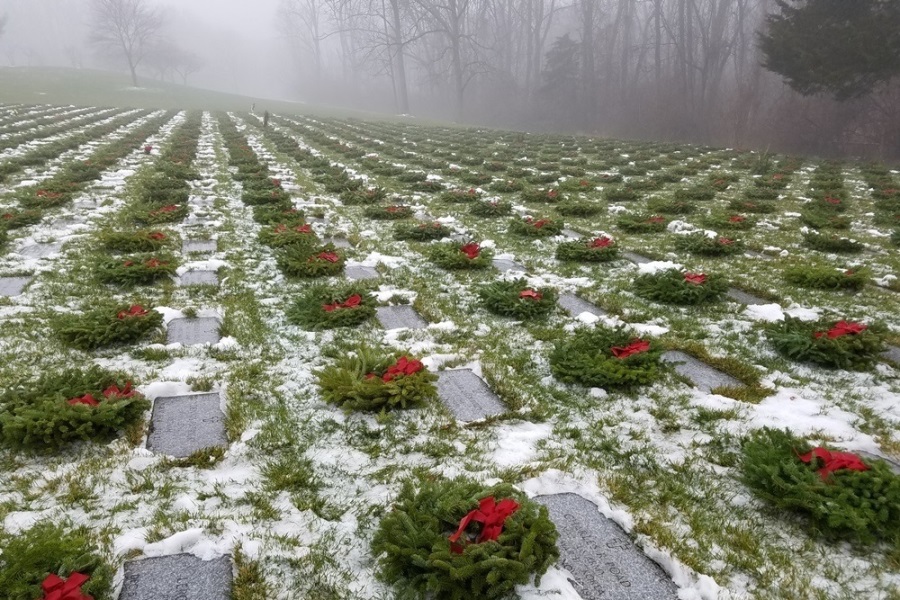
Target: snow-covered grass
(302, 485)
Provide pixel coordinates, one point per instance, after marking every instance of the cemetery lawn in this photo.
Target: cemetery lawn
(297, 487)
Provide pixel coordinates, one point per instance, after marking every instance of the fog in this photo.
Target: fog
(655, 69)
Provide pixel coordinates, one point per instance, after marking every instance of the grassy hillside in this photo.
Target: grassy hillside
(87, 87)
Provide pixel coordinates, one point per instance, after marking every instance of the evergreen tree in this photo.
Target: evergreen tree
(560, 77)
(833, 46)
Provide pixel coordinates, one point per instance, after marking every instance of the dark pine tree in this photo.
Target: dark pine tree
(842, 47)
(560, 88)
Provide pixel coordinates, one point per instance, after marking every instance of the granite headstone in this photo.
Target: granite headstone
(574, 305)
(399, 317)
(182, 425)
(201, 330)
(177, 577)
(704, 377)
(467, 396)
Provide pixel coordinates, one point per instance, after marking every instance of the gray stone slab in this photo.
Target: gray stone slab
(745, 298)
(703, 376)
(399, 317)
(503, 265)
(869, 457)
(360, 272)
(570, 233)
(177, 577)
(338, 242)
(635, 258)
(198, 278)
(604, 562)
(467, 396)
(574, 305)
(182, 425)
(190, 332)
(892, 353)
(188, 246)
(13, 286)
(41, 250)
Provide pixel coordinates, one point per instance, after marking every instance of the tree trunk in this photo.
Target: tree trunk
(402, 92)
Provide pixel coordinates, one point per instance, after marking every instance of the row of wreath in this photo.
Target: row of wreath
(455, 539)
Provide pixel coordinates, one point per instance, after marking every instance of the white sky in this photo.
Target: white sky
(255, 19)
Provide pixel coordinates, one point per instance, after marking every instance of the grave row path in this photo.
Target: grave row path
(243, 461)
(698, 481)
(106, 130)
(10, 143)
(16, 116)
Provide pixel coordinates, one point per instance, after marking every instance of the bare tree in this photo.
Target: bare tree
(126, 28)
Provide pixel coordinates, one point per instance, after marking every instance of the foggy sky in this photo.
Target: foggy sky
(255, 19)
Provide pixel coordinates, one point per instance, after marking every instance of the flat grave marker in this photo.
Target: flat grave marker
(13, 286)
(338, 242)
(704, 377)
(191, 332)
(744, 297)
(41, 250)
(182, 425)
(504, 265)
(192, 278)
(399, 317)
(572, 234)
(605, 563)
(575, 305)
(188, 246)
(892, 354)
(177, 577)
(467, 395)
(359, 272)
(637, 259)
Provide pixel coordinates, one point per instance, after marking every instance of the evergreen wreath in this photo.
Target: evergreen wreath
(415, 552)
(517, 299)
(491, 208)
(674, 286)
(607, 358)
(371, 380)
(601, 249)
(822, 219)
(107, 324)
(388, 213)
(506, 186)
(460, 195)
(621, 194)
(281, 235)
(363, 197)
(535, 227)
(839, 344)
(642, 223)
(421, 232)
(136, 269)
(671, 207)
(703, 245)
(579, 209)
(730, 222)
(48, 550)
(331, 306)
(826, 277)
(698, 193)
(156, 214)
(14, 219)
(274, 214)
(573, 184)
(310, 261)
(454, 256)
(142, 240)
(753, 206)
(832, 243)
(860, 505)
(90, 404)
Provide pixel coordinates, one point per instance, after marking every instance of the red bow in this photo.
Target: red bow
(832, 201)
(350, 302)
(394, 209)
(842, 328)
(280, 228)
(656, 220)
(8, 216)
(725, 241)
(157, 235)
(148, 149)
(128, 263)
(401, 368)
(113, 391)
(737, 219)
(328, 256)
(471, 250)
(56, 588)
(276, 182)
(491, 514)
(305, 228)
(530, 294)
(87, 399)
(153, 263)
(635, 347)
(695, 278)
(834, 461)
(165, 209)
(552, 194)
(135, 311)
(601, 242)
